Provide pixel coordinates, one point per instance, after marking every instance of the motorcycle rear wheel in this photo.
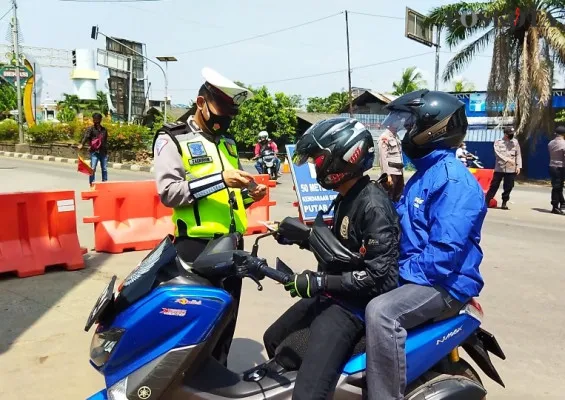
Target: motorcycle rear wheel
(460, 368)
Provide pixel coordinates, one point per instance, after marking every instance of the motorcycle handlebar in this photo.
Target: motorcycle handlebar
(274, 274)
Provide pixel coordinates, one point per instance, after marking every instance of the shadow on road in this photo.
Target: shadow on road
(244, 354)
(542, 210)
(24, 301)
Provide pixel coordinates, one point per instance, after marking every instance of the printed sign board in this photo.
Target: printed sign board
(8, 74)
(311, 196)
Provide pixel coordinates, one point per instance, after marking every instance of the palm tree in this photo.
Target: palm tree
(410, 81)
(71, 101)
(525, 49)
(102, 102)
(338, 101)
(461, 85)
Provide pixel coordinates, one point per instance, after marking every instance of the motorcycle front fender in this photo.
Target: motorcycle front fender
(101, 395)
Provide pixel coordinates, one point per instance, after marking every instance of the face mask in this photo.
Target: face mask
(217, 123)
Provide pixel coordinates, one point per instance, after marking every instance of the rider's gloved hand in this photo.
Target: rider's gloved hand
(282, 240)
(307, 284)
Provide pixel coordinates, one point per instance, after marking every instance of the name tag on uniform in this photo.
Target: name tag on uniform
(200, 160)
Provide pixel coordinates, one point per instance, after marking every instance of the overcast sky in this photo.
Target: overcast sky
(179, 27)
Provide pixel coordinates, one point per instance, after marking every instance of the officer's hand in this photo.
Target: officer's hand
(389, 179)
(259, 192)
(235, 178)
(517, 171)
(306, 284)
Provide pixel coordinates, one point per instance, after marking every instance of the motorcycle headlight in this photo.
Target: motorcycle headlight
(118, 390)
(103, 344)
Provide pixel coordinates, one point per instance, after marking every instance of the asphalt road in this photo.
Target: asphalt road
(44, 349)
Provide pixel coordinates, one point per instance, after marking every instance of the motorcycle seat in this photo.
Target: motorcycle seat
(291, 350)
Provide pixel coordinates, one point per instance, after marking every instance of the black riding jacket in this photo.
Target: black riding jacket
(365, 222)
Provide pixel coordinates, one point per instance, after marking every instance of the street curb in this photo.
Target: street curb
(63, 160)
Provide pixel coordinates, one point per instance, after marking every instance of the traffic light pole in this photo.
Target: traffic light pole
(16, 44)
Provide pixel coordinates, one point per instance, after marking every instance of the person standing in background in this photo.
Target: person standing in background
(557, 170)
(97, 137)
(390, 155)
(507, 167)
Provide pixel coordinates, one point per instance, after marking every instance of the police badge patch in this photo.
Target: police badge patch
(196, 149)
(344, 227)
(231, 148)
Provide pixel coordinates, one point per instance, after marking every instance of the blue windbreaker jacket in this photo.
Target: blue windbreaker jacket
(441, 215)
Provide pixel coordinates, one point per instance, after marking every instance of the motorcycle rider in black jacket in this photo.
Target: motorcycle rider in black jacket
(366, 227)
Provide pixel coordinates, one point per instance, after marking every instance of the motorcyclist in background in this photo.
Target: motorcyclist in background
(366, 224)
(441, 216)
(265, 143)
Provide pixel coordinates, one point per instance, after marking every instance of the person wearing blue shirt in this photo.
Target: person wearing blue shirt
(441, 215)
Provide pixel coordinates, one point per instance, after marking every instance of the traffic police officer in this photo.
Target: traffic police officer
(508, 165)
(390, 155)
(198, 173)
(557, 170)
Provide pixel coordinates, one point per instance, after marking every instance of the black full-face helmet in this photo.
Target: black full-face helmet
(340, 148)
(430, 120)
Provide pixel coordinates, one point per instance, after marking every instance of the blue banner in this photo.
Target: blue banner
(311, 196)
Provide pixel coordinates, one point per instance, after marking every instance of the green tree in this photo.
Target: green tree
(8, 98)
(333, 104)
(410, 81)
(560, 117)
(524, 53)
(102, 102)
(274, 113)
(66, 114)
(71, 101)
(462, 85)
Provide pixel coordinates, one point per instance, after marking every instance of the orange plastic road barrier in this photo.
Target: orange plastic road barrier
(130, 216)
(127, 216)
(38, 230)
(483, 176)
(260, 210)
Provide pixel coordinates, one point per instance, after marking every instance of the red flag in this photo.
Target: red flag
(84, 167)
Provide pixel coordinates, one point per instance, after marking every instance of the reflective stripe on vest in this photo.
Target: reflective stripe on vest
(209, 216)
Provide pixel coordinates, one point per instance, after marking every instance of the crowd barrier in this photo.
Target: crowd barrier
(129, 216)
(260, 210)
(484, 177)
(38, 230)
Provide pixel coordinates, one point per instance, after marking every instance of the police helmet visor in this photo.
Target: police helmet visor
(399, 122)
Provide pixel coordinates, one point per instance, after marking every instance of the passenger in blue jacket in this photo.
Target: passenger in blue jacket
(441, 214)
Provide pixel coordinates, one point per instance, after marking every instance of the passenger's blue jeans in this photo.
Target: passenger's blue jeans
(94, 158)
(387, 317)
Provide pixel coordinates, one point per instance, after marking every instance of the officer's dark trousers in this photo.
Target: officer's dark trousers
(557, 182)
(506, 187)
(334, 331)
(188, 250)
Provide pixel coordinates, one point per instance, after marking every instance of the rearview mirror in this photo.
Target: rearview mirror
(292, 229)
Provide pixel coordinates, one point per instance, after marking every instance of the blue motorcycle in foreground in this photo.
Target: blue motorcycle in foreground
(156, 333)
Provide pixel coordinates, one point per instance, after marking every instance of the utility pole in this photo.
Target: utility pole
(16, 53)
(348, 65)
(438, 37)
